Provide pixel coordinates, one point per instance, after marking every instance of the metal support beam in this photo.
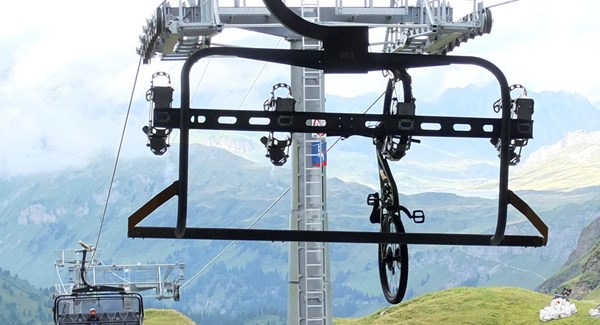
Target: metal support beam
(175, 33)
(336, 236)
(314, 59)
(343, 124)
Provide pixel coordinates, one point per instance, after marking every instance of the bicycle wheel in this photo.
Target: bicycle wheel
(393, 262)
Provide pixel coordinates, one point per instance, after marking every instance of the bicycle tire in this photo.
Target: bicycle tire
(393, 263)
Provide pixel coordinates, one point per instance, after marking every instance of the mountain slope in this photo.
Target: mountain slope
(47, 212)
(477, 306)
(21, 303)
(572, 162)
(581, 272)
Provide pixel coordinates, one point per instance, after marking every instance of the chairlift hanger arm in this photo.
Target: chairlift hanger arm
(351, 124)
(88, 288)
(295, 23)
(345, 51)
(343, 64)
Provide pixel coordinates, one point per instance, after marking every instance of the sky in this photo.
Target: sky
(67, 70)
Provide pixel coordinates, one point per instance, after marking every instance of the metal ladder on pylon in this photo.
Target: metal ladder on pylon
(313, 281)
(313, 286)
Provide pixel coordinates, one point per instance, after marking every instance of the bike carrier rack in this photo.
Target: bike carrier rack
(345, 51)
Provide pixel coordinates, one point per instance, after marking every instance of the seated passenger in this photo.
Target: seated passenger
(93, 318)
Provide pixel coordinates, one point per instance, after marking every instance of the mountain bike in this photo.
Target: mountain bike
(393, 257)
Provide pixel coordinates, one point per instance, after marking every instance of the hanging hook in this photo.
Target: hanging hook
(520, 108)
(278, 150)
(158, 97)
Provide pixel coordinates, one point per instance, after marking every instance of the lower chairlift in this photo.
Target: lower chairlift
(95, 305)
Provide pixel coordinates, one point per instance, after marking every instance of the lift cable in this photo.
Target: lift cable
(365, 112)
(213, 148)
(266, 210)
(208, 157)
(201, 78)
(239, 106)
(233, 242)
(62, 285)
(112, 178)
(502, 3)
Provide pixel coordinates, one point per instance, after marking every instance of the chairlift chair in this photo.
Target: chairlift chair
(110, 303)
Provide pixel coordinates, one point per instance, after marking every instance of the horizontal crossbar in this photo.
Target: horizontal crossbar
(334, 236)
(341, 124)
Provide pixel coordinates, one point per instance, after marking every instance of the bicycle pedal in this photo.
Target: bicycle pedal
(372, 198)
(418, 216)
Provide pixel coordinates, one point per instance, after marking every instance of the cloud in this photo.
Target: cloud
(542, 46)
(533, 43)
(67, 76)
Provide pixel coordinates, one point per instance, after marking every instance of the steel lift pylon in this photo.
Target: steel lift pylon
(338, 44)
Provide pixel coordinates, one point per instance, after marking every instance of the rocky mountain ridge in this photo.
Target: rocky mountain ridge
(581, 272)
(572, 162)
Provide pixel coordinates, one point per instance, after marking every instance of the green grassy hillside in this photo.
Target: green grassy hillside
(165, 317)
(22, 303)
(481, 306)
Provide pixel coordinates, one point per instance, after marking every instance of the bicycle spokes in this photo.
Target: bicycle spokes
(393, 262)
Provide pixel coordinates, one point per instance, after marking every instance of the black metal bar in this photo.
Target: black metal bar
(342, 124)
(315, 59)
(335, 236)
(294, 22)
(504, 157)
(526, 210)
(152, 205)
